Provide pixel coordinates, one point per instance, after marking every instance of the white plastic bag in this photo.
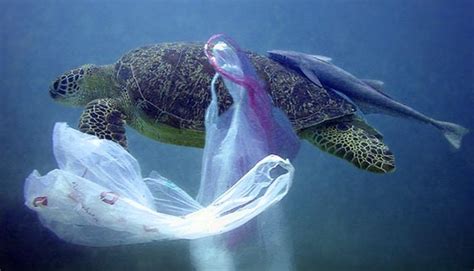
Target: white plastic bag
(97, 197)
(250, 130)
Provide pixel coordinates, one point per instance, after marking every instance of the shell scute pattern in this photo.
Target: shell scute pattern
(169, 83)
(305, 103)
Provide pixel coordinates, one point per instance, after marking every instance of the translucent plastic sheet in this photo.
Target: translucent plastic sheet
(250, 130)
(97, 196)
(260, 129)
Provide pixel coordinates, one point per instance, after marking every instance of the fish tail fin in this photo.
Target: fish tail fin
(452, 132)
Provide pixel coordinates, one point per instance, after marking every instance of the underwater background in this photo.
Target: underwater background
(421, 217)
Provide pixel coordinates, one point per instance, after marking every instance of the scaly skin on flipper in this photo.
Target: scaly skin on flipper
(103, 119)
(350, 139)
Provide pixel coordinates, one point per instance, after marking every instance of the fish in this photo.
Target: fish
(369, 95)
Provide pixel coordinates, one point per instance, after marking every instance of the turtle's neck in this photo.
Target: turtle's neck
(99, 84)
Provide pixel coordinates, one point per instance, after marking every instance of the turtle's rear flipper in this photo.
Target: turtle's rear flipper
(103, 119)
(354, 140)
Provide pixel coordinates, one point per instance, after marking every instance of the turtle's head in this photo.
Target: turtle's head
(69, 88)
(79, 86)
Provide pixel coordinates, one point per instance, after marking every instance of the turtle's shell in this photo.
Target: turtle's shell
(170, 83)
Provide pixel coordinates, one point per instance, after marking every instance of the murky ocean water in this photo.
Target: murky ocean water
(337, 217)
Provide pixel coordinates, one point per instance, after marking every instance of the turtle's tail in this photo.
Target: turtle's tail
(452, 132)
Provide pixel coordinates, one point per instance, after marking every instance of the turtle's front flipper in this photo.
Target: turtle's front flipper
(103, 119)
(353, 140)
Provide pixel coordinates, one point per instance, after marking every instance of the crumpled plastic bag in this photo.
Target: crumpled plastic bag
(249, 130)
(98, 197)
(260, 129)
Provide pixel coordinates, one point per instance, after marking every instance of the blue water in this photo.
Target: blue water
(339, 218)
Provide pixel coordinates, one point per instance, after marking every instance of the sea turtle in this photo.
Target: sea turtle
(162, 91)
